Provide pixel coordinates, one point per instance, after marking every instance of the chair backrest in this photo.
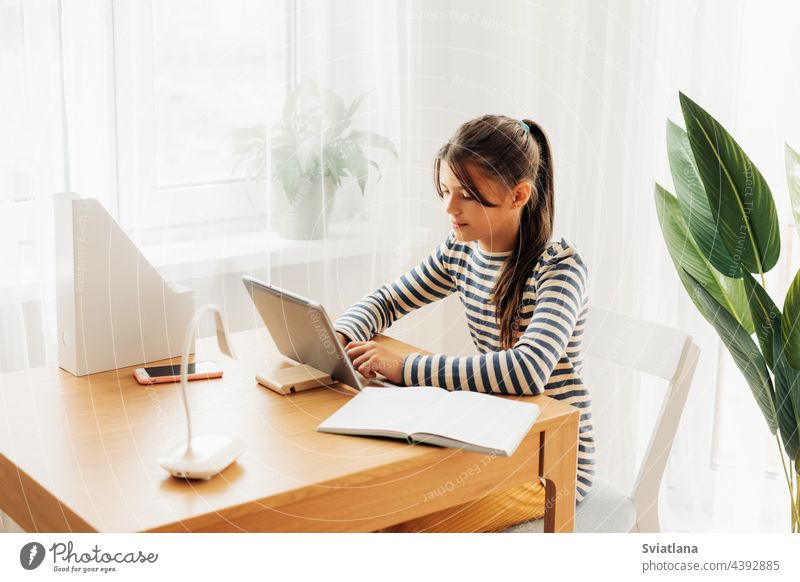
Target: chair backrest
(663, 352)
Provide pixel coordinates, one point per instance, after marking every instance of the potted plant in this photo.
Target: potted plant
(722, 233)
(313, 147)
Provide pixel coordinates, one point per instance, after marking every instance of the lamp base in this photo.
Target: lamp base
(210, 454)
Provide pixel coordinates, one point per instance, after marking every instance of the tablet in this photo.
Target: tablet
(302, 331)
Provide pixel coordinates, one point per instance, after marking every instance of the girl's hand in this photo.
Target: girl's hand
(371, 357)
(341, 338)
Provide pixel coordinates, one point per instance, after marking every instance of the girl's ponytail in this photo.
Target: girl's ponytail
(544, 174)
(535, 229)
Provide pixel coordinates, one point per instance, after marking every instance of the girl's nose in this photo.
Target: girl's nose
(451, 205)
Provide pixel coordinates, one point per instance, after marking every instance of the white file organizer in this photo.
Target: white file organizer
(114, 308)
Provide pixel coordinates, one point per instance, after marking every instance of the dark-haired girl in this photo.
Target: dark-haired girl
(524, 297)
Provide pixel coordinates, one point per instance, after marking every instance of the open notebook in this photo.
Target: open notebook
(423, 414)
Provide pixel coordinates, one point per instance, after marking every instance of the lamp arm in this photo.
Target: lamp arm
(191, 332)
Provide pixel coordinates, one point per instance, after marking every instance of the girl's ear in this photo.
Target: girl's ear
(521, 194)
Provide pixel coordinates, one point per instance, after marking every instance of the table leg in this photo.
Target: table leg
(558, 464)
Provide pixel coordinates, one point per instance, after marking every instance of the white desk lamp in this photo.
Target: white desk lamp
(205, 455)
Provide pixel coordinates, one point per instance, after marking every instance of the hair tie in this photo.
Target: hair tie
(524, 125)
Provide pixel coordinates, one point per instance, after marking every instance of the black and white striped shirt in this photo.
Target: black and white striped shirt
(546, 356)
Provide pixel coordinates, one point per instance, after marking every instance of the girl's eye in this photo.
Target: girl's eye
(464, 195)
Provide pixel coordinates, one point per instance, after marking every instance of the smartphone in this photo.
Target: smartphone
(161, 374)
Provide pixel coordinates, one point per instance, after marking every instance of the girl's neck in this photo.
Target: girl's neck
(499, 244)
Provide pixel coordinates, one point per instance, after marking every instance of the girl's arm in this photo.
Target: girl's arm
(526, 368)
(424, 284)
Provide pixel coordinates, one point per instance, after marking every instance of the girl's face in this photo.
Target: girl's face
(495, 227)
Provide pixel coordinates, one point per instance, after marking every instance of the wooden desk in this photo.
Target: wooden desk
(79, 454)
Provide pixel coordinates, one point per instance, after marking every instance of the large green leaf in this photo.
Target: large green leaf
(791, 319)
(694, 203)
(764, 313)
(687, 255)
(739, 197)
(787, 398)
(737, 296)
(743, 350)
(793, 180)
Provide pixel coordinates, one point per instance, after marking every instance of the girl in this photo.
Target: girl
(524, 297)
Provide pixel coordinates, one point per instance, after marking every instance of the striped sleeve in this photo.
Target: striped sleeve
(526, 368)
(427, 282)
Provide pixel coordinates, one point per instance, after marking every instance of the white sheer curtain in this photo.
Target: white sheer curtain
(601, 78)
(32, 166)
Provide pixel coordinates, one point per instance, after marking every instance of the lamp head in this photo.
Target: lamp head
(225, 345)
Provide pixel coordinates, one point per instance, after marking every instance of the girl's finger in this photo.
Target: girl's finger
(355, 350)
(366, 369)
(360, 348)
(361, 359)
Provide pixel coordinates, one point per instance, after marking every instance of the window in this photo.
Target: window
(187, 73)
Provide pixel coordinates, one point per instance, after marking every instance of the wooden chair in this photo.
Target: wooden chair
(657, 350)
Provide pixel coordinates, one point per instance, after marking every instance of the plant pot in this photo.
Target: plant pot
(309, 211)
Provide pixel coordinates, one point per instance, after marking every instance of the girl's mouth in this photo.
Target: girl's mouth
(458, 224)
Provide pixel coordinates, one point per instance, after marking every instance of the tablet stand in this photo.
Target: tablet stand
(288, 378)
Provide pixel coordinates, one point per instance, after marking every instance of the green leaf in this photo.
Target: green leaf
(308, 157)
(793, 180)
(356, 163)
(374, 140)
(765, 314)
(377, 169)
(787, 398)
(334, 117)
(686, 255)
(791, 314)
(743, 350)
(694, 203)
(289, 174)
(355, 104)
(333, 108)
(739, 197)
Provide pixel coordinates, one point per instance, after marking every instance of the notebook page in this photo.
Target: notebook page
(403, 409)
(483, 420)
